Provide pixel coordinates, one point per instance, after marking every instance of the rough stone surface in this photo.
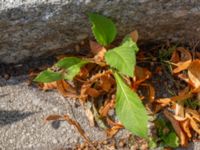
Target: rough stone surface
(22, 112)
(30, 28)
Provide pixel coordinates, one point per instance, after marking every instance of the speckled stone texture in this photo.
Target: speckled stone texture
(23, 109)
(31, 28)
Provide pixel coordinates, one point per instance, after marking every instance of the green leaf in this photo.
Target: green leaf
(123, 58)
(152, 143)
(72, 66)
(171, 140)
(103, 29)
(130, 110)
(128, 42)
(48, 76)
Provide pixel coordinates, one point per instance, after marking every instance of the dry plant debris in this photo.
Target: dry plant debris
(101, 89)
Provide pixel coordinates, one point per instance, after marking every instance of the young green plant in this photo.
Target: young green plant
(121, 60)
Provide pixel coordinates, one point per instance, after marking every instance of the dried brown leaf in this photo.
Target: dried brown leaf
(141, 74)
(84, 73)
(193, 113)
(179, 110)
(103, 111)
(194, 73)
(182, 66)
(53, 117)
(163, 101)
(184, 54)
(185, 78)
(48, 86)
(134, 35)
(195, 126)
(93, 92)
(151, 92)
(78, 127)
(186, 127)
(65, 89)
(83, 93)
(184, 59)
(182, 136)
(175, 57)
(182, 97)
(106, 82)
(112, 131)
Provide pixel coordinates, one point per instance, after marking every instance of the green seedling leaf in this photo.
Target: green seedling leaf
(130, 110)
(123, 58)
(103, 29)
(128, 42)
(72, 66)
(152, 143)
(166, 133)
(48, 76)
(171, 140)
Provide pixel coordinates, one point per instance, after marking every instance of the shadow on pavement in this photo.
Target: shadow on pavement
(9, 117)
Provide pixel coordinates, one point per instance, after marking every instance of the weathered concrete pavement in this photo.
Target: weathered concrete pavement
(22, 112)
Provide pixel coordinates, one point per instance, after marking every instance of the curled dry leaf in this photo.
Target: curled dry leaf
(175, 58)
(185, 78)
(115, 127)
(53, 117)
(195, 125)
(106, 82)
(84, 73)
(193, 113)
(182, 66)
(182, 96)
(78, 127)
(182, 61)
(112, 131)
(83, 93)
(179, 110)
(93, 92)
(48, 86)
(151, 92)
(186, 127)
(109, 104)
(194, 73)
(72, 122)
(62, 86)
(141, 74)
(182, 136)
(111, 122)
(98, 50)
(65, 89)
(165, 101)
